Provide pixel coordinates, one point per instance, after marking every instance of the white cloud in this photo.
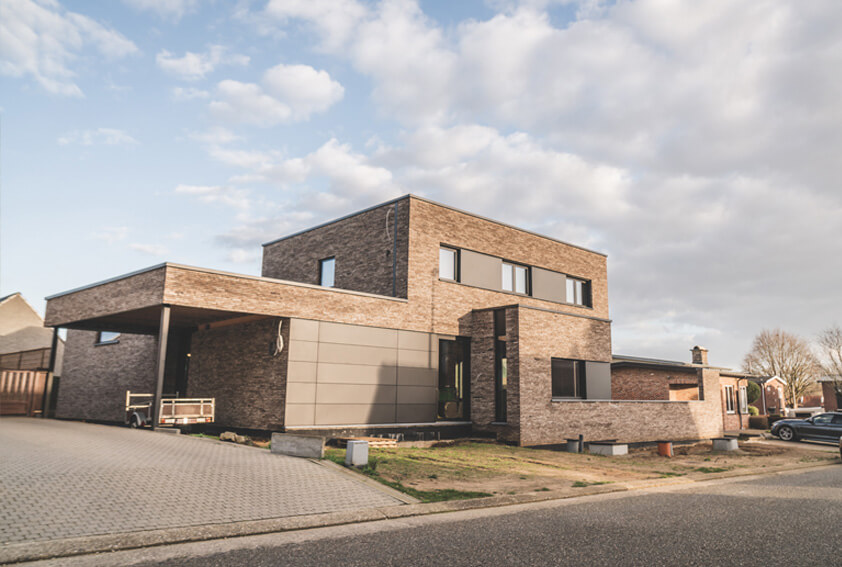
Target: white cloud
(98, 136)
(112, 234)
(171, 10)
(182, 94)
(194, 66)
(289, 93)
(42, 40)
(229, 196)
(150, 249)
(215, 136)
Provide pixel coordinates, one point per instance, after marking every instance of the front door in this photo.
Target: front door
(454, 379)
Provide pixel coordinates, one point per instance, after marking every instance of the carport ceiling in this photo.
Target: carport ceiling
(147, 320)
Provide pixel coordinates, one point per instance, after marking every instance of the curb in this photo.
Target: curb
(20, 552)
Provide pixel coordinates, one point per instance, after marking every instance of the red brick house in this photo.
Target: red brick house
(772, 401)
(831, 392)
(409, 315)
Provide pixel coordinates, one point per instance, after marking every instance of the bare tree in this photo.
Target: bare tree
(830, 353)
(778, 353)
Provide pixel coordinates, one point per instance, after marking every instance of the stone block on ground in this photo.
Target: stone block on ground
(309, 446)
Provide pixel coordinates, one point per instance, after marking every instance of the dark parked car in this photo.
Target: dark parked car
(822, 427)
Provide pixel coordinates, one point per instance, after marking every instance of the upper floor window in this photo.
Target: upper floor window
(447, 264)
(327, 271)
(578, 292)
(107, 337)
(515, 278)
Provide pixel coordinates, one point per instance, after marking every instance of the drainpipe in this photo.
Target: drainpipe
(395, 253)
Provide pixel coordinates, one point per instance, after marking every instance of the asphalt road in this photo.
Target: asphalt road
(786, 519)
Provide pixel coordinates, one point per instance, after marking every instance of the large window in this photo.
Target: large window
(327, 272)
(107, 337)
(729, 399)
(568, 378)
(515, 278)
(447, 264)
(578, 292)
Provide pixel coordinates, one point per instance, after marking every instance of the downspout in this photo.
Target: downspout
(395, 252)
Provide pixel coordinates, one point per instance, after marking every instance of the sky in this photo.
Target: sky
(697, 143)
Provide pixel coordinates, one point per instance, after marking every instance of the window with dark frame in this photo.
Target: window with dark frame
(501, 367)
(327, 271)
(579, 292)
(729, 399)
(515, 278)
(107, 337)
(568, 378)
(448, 264)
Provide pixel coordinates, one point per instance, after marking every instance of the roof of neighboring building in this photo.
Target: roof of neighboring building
(424, 199)
(21, 326)
(626, 360)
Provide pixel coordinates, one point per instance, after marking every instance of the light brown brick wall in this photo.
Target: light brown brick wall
(630, 383)
(732, 421)
(95, 378)
(830, 402)
(235, 365)
(363, 246)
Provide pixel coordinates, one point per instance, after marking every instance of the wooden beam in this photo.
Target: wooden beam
(163, 336)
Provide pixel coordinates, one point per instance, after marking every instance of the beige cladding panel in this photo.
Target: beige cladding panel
(337, 373)
(300, 414)
(303, 330)
(349, 394)
(549, 285)
(303, 351)
(480, 270)
(356, 335)
(408, 376)
(413, 340)
(416, 413)
(301, 393)
(355, 354)
(417, 395)
(417, 359)
(301, 371)
(349, 414)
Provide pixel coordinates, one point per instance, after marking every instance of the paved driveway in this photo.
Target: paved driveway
(68, 479)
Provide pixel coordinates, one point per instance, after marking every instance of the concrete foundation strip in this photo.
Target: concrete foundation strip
(20, 552)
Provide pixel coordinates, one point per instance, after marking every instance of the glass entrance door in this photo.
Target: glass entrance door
(454, 379)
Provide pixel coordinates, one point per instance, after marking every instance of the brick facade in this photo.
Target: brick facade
(831, 398)
(236, 365)
(736, 419)
(233, 363)
(96, 377)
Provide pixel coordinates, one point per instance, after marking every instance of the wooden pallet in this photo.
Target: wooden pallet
(378, 442)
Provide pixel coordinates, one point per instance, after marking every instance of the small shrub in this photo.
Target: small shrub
(753, 410)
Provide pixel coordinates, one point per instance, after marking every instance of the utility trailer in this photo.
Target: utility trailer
(173, 411)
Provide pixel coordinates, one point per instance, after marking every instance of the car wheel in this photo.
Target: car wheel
(786, 433)
(134, 422)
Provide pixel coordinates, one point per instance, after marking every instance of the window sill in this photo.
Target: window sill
(107, 343)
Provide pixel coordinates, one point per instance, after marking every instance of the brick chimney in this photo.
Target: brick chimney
(700, 355)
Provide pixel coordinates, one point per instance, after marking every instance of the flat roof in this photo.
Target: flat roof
(431, 202)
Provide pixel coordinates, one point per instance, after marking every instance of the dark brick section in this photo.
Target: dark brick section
(235, 364)
(363, 245)
(96, 377)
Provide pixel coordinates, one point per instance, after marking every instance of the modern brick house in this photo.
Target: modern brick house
(410, 314)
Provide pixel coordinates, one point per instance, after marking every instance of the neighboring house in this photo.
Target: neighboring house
(410, 315)
(772, 401)
(25, 357)
(832, 399)
(637, 378)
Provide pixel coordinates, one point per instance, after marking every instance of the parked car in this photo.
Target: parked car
(822, 427)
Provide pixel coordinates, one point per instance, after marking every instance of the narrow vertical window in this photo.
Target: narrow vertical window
(327, 272)
(729, 399)
(501, 367)
(447, 264)
(507, 277)
(743, 400)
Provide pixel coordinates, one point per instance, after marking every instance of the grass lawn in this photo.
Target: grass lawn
(471, 469)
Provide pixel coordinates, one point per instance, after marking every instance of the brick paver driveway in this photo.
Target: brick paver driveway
(68, 479)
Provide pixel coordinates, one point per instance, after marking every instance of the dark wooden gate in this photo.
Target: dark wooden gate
(22, 392)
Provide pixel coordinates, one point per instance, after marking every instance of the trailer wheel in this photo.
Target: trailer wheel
(134, 422)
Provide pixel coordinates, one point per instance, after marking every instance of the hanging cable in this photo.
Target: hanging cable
(279, 341)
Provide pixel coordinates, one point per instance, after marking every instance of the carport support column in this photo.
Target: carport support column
(163, 335)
